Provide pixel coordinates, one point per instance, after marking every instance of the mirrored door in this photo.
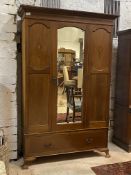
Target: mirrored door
(70, 60)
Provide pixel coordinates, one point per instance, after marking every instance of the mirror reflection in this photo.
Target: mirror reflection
(70, 56)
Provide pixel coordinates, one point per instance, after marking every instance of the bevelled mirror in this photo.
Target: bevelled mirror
(70, 57)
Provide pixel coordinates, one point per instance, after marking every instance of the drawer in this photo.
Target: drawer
(57, 143)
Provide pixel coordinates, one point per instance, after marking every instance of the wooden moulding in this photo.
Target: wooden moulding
(42, 10)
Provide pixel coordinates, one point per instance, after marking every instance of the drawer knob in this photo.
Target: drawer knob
(89, 140)
(48, 145)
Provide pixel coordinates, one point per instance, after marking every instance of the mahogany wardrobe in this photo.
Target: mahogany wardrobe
(52, 122)
(122, 114)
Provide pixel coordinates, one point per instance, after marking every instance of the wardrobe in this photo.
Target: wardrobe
(122, 114)
(42, 134)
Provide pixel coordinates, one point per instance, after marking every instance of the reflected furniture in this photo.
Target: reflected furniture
(60, 79)
(68, 56)
(42, 135)
(122, 114)
(74, 102)
(80, 78)
(67, 81)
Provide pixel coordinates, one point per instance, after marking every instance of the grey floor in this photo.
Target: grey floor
(71, 164)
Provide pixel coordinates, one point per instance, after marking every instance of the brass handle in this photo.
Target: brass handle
(89, 140)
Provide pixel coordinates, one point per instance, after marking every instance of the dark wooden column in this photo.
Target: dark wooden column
(50, 3)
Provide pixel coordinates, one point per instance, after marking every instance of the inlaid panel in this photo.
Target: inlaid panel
(38, 101)
(39, 46)
(98, 97)
(99, 49)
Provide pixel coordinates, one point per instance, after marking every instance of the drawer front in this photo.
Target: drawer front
(56, 143)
